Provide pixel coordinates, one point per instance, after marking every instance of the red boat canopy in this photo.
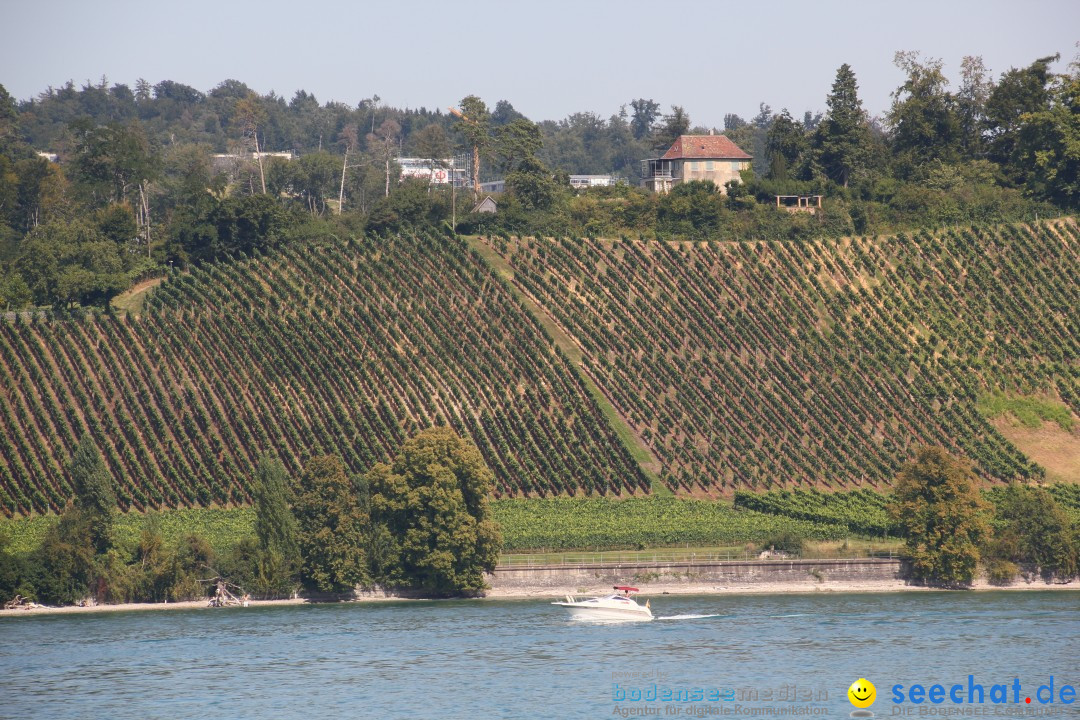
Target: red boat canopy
(626, 588)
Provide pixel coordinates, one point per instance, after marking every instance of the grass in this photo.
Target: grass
(131, 301)
(1029, 411)
(556, 525)
(223, 528)
(818, 550)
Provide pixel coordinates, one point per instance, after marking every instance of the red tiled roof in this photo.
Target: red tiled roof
(705, 146)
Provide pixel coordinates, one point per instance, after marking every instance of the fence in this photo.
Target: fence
(576, 559)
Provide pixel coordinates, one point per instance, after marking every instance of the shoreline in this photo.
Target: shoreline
(652, 590)
(769, 588)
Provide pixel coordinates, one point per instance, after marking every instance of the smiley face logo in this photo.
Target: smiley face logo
(862, 693)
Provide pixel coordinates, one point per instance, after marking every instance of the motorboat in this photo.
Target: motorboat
(619, 605)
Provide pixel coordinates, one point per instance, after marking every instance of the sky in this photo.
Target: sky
(549, 58)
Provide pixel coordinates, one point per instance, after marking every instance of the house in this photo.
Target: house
(487, 205)
(695, 157)
(495, 186)
(579, 182)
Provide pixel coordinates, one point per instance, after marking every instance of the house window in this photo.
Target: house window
(736, 166)
(709, 165)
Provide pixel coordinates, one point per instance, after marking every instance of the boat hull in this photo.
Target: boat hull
(593, 612)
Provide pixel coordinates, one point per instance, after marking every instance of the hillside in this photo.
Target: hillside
(738, 365)
(342, 348)
(762, 365)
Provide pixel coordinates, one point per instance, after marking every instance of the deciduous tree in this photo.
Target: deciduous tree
(937, 504)
(331, 527)
(431, 507)
(383, 145)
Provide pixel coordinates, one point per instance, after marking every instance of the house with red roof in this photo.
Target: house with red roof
(695, 157)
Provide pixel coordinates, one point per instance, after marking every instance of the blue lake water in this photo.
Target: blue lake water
(527, 659)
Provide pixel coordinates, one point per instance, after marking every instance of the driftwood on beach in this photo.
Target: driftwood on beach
(223, 597)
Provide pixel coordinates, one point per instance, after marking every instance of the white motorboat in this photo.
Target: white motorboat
(619, 605)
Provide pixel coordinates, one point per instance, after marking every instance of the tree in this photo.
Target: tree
(9, 122)
(248, 117)
(279, 560)
(644, 117)
(215, 228)
(842, 139)
(432, 145)
(971, 100)
(924, 121)
(430, 507)
(1048, 144)
(311, 178)
(331, 527)
(1017, 93)
(937, 505)
(383, 145)
(675, 124)
(62, 568)
(692, 208)
(474, 125)
(504, 114)
(517, 141)
(94, 494)
(349, 138)
(111, 160)
(68, 262)
(532, 184)
(1034, 532)
(785, 146)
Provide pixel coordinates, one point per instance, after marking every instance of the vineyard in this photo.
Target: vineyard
(863, 511)
(577, 523)
(768, 365)
(343, 348)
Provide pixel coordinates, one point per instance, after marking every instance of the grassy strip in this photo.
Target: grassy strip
(558, 525)
(1030, 411)
(638, 450)
(221, 527)
(825, 549)
(528, 525)
(602, 523)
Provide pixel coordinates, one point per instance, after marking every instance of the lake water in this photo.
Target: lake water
(527, 659)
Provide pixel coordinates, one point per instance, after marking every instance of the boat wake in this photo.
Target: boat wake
(687, 617)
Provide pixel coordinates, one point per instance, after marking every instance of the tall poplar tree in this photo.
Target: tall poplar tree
(94, 495)
(275, 525)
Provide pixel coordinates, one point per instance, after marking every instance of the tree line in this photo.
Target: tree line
(420, 523)
(137, 185)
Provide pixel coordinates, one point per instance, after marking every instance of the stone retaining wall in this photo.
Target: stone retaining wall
(723, 572)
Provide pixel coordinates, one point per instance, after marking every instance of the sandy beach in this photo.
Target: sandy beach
(650, 590)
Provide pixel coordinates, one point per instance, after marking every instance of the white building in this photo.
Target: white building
(421, 168)
(588, 181)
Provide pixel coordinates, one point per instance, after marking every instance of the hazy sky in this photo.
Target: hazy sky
(549, 58)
